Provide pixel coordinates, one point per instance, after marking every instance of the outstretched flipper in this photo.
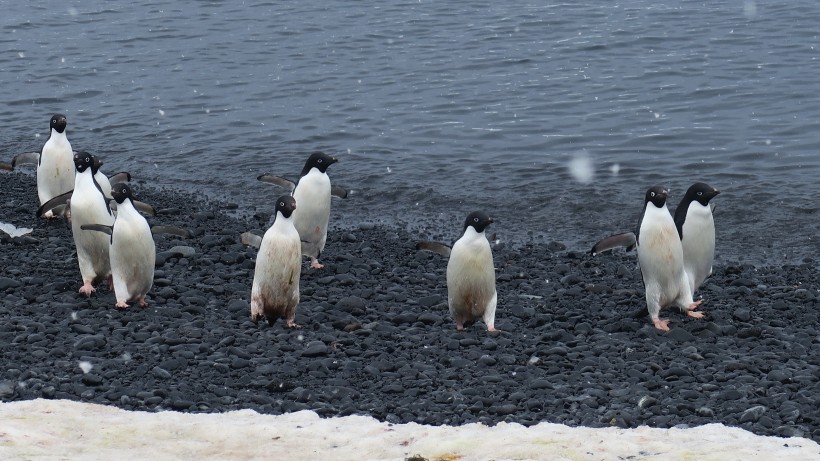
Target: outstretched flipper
(277, 181)
(627, 239)
(172, 230)
(6, 166)
(61, 199)
(435, 247)
(144, 208)
(122, 176)
(27, 158)
(338, 191)
(99, 228)
(251, 239)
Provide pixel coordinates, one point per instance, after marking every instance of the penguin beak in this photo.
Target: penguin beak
(716, 192)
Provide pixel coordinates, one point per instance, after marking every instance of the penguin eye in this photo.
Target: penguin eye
(475, 219)
(651, 194)
(281, 203)
(319, 161)
(700, 193)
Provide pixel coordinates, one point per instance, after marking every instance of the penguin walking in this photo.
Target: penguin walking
(132, 250)
(660, 256)
(89, 206)
(312, 192)
(696, 228)
(275, 289)
(471, 293)
(55, 165)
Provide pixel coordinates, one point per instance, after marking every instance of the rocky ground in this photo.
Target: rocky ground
(576, 345)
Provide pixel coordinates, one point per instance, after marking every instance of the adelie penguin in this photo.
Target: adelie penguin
(89, 206)
(471, 293)
(696, 228)
(132, 250)
(275, 289)
(660, 256)
(55, 165)
(312, 192)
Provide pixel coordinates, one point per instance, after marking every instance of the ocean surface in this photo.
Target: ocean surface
(554, 117)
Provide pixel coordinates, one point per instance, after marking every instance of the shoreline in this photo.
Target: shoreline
(576, 345)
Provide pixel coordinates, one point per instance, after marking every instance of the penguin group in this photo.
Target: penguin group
(114, 241)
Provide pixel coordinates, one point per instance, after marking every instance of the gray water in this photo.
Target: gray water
(436, 109)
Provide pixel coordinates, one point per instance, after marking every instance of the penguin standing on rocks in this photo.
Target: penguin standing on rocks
(55, 166)
(275, 289)
(89, 206)
(312, 192)
(132, 250)
(471, 293)
(696, 228)
(660, 256)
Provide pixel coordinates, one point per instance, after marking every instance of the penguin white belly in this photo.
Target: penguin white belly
(88, 207)
(275, 290)
(133, 254)
(313, 213)
(55, 169)
(698, 244)
(471, 292)
(104, 183)
(660, 256)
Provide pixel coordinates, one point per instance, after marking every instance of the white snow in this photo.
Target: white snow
(13, 230)
(581, 168)
(61, 429)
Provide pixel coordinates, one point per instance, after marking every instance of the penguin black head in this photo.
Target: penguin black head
(479, 220)
(700, 192)
(120, 192)
(285, 205)
(318, 160)
(58, 122)
(656, 195)
(84, 161)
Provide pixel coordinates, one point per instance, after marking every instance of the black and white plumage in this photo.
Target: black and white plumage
(275, 290)
(312, 192)
(89, 206)
(471, 293)
(696, 229)
(55, 163)
(132, 250)
(660, 255)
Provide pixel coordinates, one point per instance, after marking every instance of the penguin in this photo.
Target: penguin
(275, 289)
(132, 251)
(660, 257)
(471, 293)
(312, 192)
(55, 165)
(89, 206)
(696, 228)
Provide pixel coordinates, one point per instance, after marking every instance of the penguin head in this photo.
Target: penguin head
(84, 161)
(318, 160)
(285, 205)
(478, 220)
(58, 122)
(656, 195)
(120, 192)
(700, 192)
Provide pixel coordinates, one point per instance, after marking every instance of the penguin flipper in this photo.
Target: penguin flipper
(338, 191)
(6, 166)
(98, 227)
(30, 158)
(61, 199)
(277, 181)
(171, 230)
(145, 208)
(627, 239)
(434, 247)
(122, 176)
(251, 239)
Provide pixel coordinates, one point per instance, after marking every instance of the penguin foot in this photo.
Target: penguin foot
(121, 305)
(690, 310)
(143, 302)
(292, 324)
(87, 289)
(661, 324)
(314, 263)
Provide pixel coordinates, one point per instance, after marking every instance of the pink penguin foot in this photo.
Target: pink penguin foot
(87, 289)
(690, 310)
(291, 323)
(314, 263)
(121, 305)
(143, 302)
(660, 324)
